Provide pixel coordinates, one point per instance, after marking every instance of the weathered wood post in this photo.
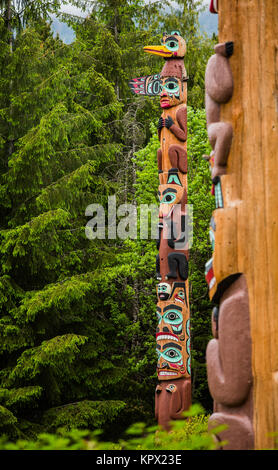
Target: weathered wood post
(242, 359)
(173, 392)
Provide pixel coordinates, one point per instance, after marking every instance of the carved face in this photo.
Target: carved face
(164, 290)
(173, 339)
(172, 398)
(172, 45)
(170, 360)
(173, 92)
(170, 320)
(179, 295)
(176, 292)
(170, 195)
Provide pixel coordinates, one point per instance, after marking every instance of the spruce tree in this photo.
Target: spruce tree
(57, 117)
(77, 315)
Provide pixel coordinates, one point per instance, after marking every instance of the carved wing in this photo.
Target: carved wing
(148, 86)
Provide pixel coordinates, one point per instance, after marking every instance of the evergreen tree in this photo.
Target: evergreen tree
(58, 116)
(77, 322)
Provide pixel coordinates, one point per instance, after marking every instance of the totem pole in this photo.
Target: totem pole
(173, 392)
(241, 107)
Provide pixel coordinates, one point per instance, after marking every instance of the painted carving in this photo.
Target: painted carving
(229, 367)
(173, 340)
(171, 262)
(170, 195)
(175, 292)
(228, 354)
(173, 328)
(219, 90)
(172, 398)
(172, 124)
(173, 49)
(173, 332)
(213, 7)
(216, 189)
(147, 86)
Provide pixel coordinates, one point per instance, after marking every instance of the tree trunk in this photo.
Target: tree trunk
(8, 18)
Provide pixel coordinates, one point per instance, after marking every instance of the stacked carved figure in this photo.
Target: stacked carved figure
(229, 352)
(173, 392)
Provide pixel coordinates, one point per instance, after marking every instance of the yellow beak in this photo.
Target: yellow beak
(158, 50)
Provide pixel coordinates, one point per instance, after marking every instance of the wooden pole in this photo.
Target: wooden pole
(173, 391)
(251, 194)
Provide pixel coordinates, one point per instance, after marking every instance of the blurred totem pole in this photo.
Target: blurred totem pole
(173, 392)
(242, 121)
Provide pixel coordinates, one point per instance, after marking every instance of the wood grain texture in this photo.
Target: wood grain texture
(251, 188)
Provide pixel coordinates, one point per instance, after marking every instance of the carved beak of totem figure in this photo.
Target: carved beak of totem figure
(158, 50)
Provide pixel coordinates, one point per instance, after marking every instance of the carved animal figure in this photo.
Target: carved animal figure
(229, 367)
(172, 125)
(219, 90)
(172, 398)
(173, 331)
(170, 263)
(173, 49)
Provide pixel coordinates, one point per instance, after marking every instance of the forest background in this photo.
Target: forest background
(77, 316)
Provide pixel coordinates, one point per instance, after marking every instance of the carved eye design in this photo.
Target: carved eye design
(163, 288)
(171, 388)
(172, 44)
(172, 87)
(173, 317)
(154, 86)
(169, 198)
(172, 354)
(181, 294)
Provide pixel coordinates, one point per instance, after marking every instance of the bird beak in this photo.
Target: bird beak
(158, 50)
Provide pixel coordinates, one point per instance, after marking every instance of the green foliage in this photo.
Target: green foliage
(187, 434)
(82, 415)
(7, 418)
(15, 398)
(55, 354)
